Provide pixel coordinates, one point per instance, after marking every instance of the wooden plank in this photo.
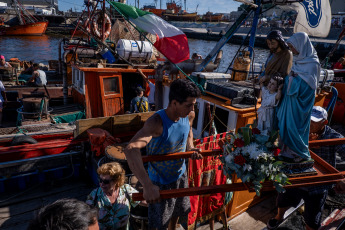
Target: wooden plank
(129, 123)
(85, 124)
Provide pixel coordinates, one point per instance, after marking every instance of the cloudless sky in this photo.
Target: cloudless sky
(215, 6)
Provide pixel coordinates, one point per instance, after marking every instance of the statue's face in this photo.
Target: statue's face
(273, 45)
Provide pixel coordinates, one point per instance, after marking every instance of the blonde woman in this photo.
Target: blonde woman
(113, 198)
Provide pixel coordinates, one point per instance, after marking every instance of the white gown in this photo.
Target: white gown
(266, 111)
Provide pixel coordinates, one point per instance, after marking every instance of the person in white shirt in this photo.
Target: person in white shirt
(38, 77)
(3, 62)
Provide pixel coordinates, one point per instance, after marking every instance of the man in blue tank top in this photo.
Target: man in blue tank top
(168, 130)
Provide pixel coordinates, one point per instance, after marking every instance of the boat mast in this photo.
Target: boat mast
(24, 16)
(15, 6)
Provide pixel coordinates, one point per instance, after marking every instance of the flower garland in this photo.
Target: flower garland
(252, 157)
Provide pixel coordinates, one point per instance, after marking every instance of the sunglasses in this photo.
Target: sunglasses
(103, 181)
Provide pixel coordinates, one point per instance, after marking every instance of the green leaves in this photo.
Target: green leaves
(258, 162)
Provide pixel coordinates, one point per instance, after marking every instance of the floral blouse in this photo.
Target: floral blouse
(113, 216)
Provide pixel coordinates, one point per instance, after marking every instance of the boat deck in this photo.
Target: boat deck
(17, 209)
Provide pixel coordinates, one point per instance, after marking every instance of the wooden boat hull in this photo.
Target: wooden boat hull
(212, 18)
(37, 29)
(181, 17)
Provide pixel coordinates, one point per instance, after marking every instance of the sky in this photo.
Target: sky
(217, 6)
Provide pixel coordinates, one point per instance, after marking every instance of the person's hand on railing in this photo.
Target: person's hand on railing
(196, 154)
(151, 194)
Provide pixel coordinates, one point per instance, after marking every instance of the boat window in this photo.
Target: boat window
(78, 80)
(111, 85)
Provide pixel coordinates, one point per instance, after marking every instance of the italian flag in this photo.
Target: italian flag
(171, 41)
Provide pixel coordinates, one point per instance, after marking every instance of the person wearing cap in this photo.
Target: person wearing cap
(319, 130)
(280, 58)
(3, 62)
(140, 103)
(314, 197)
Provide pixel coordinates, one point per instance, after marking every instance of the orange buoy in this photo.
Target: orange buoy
(95, 29)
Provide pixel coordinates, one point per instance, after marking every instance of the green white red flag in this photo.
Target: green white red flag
(171, 41)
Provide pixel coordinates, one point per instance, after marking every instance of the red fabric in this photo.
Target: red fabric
(100, 139)
(174, 48)
(205, 172)
(338, 65)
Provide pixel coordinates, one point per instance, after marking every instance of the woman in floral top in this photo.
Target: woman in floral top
(113, 198)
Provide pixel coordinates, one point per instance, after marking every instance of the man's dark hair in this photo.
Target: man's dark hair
(35, 65)
(66, 214)
(181, 89)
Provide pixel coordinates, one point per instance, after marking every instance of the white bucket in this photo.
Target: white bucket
(130, 50)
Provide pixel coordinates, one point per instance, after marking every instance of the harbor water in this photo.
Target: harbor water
(41, 49)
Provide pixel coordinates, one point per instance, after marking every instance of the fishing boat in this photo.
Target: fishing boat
(153, 9)
(28, 24)
(104, 91)
(174, 12)
(211, 17)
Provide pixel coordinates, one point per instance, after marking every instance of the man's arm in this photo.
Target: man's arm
(190, 144)
(152, 128)
(34, 75)
(143, 76)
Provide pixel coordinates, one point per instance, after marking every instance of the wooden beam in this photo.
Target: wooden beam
(85, 124)
(180, 155)
(325, 142)
(267, 186)
(326, 175)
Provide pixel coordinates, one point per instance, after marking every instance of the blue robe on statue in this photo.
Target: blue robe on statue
(294, 112)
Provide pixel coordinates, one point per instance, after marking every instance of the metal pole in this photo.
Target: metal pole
(254, 27)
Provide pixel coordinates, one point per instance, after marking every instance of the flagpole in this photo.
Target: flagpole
(135, 27)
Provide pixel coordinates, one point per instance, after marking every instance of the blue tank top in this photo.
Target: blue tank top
(173, 139)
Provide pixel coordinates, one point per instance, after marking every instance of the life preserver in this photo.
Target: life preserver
(95, 28)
